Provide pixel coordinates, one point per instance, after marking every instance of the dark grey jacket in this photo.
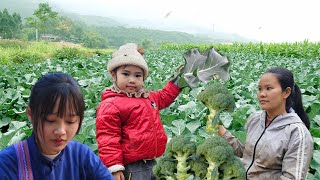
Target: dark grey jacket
(282, 150)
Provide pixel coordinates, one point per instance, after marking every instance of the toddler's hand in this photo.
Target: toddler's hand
(178, 79)
(118, 175)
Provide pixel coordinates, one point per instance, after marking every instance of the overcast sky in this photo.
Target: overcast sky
(263, 20)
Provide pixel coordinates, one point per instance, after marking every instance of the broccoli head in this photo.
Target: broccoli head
(198, 166)
(232, 169)
(165, 168)
(181, 148)
(216, 151)
(217, 98)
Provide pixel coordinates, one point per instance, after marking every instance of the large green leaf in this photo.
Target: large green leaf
(178, 127)
(215, 65)
(316, 156)
(193, 60)
(4, 121)
(316, 140)
(205, 67)
(316, 119)
(193, 126)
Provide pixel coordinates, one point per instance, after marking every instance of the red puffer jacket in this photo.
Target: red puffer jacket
(130, 129)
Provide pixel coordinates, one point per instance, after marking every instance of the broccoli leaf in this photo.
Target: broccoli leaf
(193, 60)
(214, 65)
(179, 126)
(203, 68)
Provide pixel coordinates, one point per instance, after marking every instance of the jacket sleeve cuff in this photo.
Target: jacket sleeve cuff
(175, 88)
(116, 168)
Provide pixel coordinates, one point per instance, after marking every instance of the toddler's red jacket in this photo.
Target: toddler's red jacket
(130, 129)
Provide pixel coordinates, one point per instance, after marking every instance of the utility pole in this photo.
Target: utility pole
(36, 34)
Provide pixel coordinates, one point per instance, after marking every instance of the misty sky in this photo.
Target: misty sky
(264, 20)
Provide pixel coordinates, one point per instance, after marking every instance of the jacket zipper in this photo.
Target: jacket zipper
(255, 146)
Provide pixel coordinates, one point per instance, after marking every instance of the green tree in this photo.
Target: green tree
(77, 31)
(147, 44)
(64, 25)
(10, 25)
(4, 23)
(44, 18)
(92, 39)
(17, 25)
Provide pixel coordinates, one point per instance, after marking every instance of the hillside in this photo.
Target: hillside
(118, 31)
(94, 20)
(116, 35)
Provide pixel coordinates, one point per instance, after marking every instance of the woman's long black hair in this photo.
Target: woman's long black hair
(285, 78)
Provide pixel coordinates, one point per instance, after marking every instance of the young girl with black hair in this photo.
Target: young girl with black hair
(279, 144)
(55, 109)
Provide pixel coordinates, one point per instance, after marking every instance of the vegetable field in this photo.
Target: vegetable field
(186, 115)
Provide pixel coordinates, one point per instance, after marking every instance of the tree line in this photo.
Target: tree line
(46, 24)
(10, 25)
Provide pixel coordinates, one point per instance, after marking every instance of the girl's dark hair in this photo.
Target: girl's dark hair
(285, 78)
(47, 91)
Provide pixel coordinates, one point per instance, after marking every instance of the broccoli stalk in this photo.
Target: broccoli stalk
(213, 119)
(216, 151)
(181, 148)
(216, 98)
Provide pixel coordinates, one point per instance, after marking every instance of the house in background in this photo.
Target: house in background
(50, 37)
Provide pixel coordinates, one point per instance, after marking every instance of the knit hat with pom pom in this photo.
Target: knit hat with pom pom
(128, 54)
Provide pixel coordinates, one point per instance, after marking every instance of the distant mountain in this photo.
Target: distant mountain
(95, 20)
(201, 32)
(183, 31)
(205, 35)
